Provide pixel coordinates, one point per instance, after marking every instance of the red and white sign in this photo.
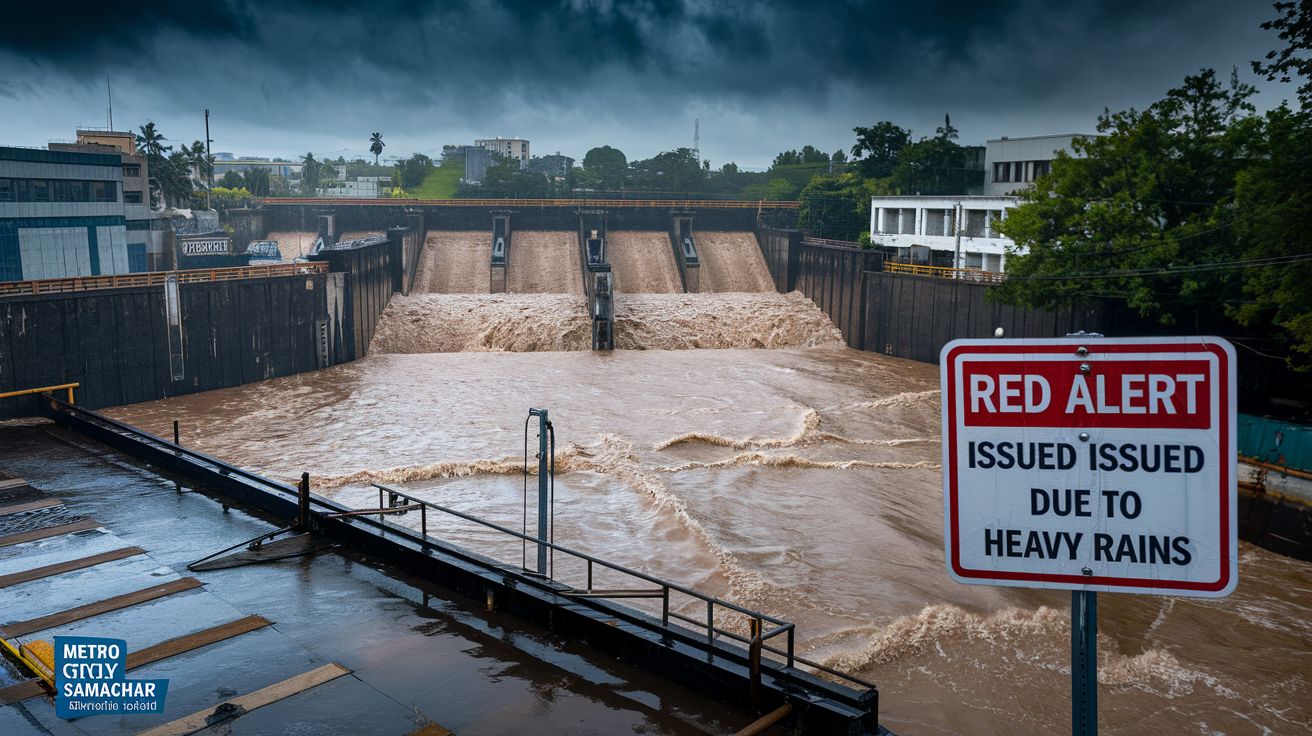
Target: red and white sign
(1091, 464)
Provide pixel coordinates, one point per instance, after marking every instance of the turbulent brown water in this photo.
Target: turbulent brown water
(643, 262)
(453, 323)
(731, 262)
(801, 481)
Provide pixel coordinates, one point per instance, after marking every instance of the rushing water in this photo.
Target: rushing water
(802, 481)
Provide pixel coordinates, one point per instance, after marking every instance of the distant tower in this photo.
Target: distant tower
(697, 140)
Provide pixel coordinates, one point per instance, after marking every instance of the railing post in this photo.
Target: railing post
(665, 606)
(790, 645)
(589, 575)
(754, 665)
(710, 623)
(423, 525)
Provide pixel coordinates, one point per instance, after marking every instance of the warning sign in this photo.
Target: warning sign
(1091, 464)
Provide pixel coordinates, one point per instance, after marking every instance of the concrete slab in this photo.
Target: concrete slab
(412, 646)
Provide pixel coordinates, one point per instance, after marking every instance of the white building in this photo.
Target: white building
(927, 230)
(1012, 164)
(512, 148)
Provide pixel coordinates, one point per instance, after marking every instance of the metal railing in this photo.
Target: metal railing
(757, 633)
(156, 278)
(42, 390)
(959, 274)
(639, 203)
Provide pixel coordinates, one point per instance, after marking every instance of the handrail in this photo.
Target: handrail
(580, 202)
(943, 272)
(782, 627)
(69, 386)
(156, 278)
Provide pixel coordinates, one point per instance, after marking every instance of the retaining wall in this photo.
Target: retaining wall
(116, 342)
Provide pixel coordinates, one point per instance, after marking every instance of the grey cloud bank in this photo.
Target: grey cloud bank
(281, 78)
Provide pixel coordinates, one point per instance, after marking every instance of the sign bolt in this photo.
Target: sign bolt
(1084, 436)
(1081, 351)
(1084, 368)
(1087, 572)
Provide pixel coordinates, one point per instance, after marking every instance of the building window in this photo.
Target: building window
(132, 170)
(57, 190)
(1040, 168)
(975, 223)
(132, 197)
(1002, 172)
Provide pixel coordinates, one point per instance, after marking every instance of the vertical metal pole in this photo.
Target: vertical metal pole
(207, 160)
(175, 434)
(1084, 663)
(543, 461)
(303, 504)
(710, 624)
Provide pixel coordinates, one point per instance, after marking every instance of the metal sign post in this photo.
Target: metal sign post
(1091, 465)
(1084, 663)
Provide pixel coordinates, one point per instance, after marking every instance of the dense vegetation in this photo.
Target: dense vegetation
(1191, 210)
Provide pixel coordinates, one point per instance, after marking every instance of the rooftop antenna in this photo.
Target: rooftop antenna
(697, 140)
(109, 90)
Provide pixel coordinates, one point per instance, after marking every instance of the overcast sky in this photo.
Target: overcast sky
(283, 77)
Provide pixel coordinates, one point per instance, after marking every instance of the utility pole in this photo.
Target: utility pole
(208, 161)
(110, 91)
(956, 253)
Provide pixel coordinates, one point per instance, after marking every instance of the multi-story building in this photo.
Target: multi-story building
(512, 148)
(62, 215)
(1012, 164)
(143, 228)
(931, 230)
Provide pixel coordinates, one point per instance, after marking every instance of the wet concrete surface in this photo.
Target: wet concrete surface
(416, 652)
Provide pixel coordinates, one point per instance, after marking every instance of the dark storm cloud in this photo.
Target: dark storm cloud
(707, 46)
(637, 64)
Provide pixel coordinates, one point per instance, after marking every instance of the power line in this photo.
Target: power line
(1170, 270)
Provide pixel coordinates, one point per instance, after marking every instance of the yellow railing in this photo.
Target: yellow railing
(639, 203)
(960, 274)
(156, 278)
(60, 387)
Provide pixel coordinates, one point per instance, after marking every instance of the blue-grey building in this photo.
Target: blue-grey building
(62, 215)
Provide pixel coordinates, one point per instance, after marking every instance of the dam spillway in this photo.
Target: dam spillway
(799, 476)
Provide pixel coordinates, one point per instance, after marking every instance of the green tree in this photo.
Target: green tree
(151, 142)
(311, 174)
(607, 167)
(376, 146)
(1154, 193)
(231, 180)
(676, 171)
(877, 148)
(410, 173)
(835, 207)
(256, 180)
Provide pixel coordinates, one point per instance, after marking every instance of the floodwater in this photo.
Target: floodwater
(731, 262)
(643, 262)
(802, 481)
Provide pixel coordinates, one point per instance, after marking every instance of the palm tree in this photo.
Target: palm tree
(376, 146)
(151, 141)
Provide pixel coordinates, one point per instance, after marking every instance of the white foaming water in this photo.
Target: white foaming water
(453, 323)
(802, 482)
(731, 262)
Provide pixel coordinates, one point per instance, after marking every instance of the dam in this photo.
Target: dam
(735, 441)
